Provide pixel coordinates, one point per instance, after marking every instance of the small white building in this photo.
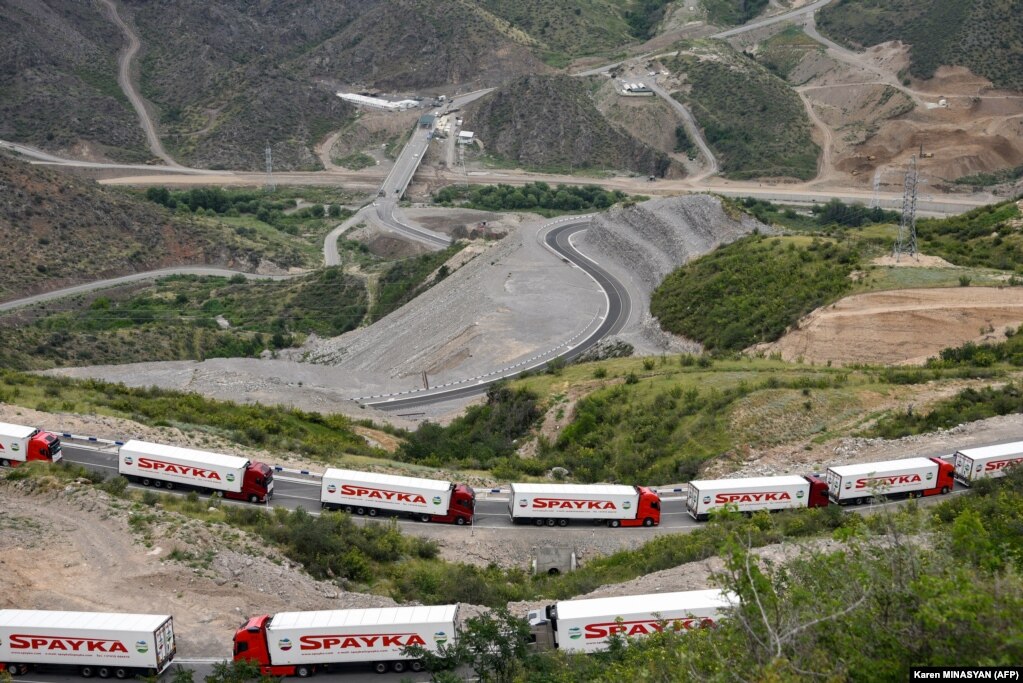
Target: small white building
(465, 137)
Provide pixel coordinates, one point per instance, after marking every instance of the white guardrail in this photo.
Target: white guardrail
(277, 468)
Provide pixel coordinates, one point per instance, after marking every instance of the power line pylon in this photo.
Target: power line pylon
(906, 241)
(270, 184)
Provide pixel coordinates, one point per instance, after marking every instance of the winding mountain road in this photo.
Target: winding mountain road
(124, 80)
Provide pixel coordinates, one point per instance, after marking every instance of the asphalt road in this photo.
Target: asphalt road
(619, 307)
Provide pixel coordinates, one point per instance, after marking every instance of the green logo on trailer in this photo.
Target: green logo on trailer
(440, 637)
(575, 633)
(436, 500)
(230, 477)
(142, 647)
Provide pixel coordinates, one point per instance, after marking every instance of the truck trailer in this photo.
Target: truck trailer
(20, 444)
(368, 493)
(909, 478)
(88, 643)
(302, 643)
(559, 504)
(586, 625)
(991, 461)
(755, 493)
(170, 466)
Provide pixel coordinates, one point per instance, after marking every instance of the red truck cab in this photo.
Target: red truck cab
(945, 481)
(461, 508)
(257, 484)
(818, 496)
(250, 644)
(35, 444)
(648, 509)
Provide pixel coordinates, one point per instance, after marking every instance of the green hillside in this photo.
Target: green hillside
(984, 35)
(753, 121)
(551, 123)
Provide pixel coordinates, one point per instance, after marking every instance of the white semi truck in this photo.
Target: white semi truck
(20, 444)
(893, 478)
(972, 464)
(560, 504)
(586, 625)
(302, 643)
(170, 466)
(89, 643)
(369, 493)
(755, 493)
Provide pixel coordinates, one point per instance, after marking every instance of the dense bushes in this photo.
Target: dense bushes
(967, 406)
(752, 290)
(483, 438)
(983, 355)
(530, 197)
(733, 12)
(975, 238)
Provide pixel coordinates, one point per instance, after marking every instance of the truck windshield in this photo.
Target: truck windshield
(54, 443)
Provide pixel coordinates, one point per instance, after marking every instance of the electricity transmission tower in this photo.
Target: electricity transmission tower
(906, 241)
(270, 184)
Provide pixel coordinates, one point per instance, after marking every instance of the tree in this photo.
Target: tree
(238, 671)
(495, 645)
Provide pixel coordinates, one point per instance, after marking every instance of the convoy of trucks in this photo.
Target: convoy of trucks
(169, 466)
(911, 477)
(559, 504)
(301, 643)
(586, 625)
(755, 493)
(369, 493)
(971, 464)
(20, 444)
(88, 643)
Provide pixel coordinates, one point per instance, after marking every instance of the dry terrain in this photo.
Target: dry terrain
(901, 327)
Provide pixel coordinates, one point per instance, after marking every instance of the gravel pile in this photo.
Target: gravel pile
(642, 244)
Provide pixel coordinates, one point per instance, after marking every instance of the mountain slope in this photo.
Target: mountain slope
(551, 122)
(59, 230)
(58, 80)
(984, 35)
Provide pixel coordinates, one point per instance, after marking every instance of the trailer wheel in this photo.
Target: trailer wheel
(86, 671)
(380, 667)
(551, 522)
(5, 463)
(398, 667)
(425, 517)
(372, 512)
(562, 522)
(120, 673)
(169, 485)
(302, 671)
(360, 511)
(649, 521)
(614, 523)
(539, 522)
(416, 665)
(157, 483)
(103, 672)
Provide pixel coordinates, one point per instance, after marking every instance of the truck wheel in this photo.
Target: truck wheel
(551, 522)
(460, 521)
(348, 509)
(157, 483)
(944, 490)
(426, 518)
(5, 463)
(360, 511)
(372, 512)
(539, 522)
(380, 667)
(416, 665)
(103, 672)
(614, 523)
(398, 667)
(649, 521)
(253, 498)
(146, 482)
(302, 671)
(120, 673)
(86, 671)
(169, 485)
(562, 522)
(861, 501)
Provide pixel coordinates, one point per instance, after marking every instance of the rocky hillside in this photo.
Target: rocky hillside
(552, 123)
(984, 35)
(58, 80)
(59, 230)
